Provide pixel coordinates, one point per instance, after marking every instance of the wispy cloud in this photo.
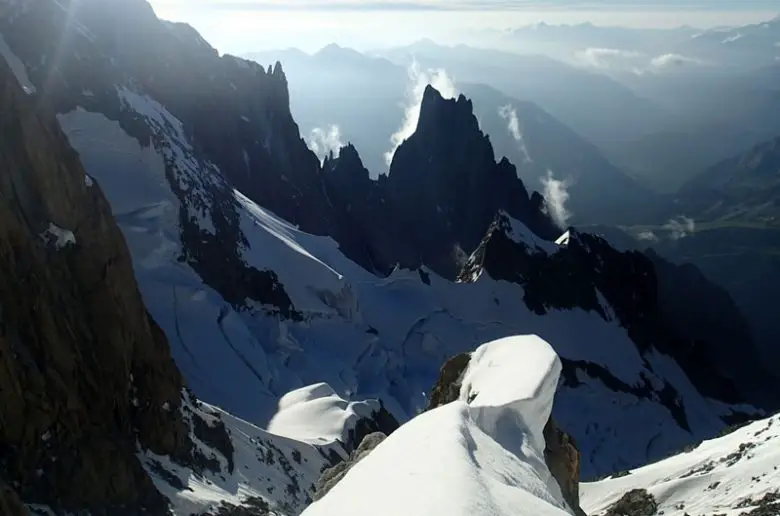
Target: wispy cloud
(605, 58)
(418, 80)
(671, 60)
(509, 114)
(647, 236)
(323, 141)
(629, 60)
(680, 227)
(556, 194)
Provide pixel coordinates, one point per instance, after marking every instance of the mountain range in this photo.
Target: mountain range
(201, 315)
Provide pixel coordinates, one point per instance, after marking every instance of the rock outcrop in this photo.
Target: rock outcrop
(333, 475)
(563, 460)
(87, 378)
(637, 502)
(560, 454)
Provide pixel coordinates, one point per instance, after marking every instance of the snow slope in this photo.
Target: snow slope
(729, 476)
(482, 454)
(264, 469)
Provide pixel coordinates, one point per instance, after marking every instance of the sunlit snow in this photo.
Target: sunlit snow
(482, 454)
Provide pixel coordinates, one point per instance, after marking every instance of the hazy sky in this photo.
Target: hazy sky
(239, 26)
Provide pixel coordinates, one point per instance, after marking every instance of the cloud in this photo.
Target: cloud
(647, 235)
(509, 114)
(324, 141)
(670, 60)
(629, 60)
(556, 193)
(680, 227)
(607, 58)
(418, 80)
(732, 39)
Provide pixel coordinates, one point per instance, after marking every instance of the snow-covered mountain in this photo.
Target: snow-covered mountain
(733, 475)
(274, 287)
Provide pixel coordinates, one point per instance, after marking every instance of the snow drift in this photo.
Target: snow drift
(482, 454)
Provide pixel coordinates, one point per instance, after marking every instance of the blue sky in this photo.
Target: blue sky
(239, 26)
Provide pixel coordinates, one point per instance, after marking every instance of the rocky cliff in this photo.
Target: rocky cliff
(88, 380)
(87, 377)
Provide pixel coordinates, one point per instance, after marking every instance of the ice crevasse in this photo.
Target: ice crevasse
(482, 454)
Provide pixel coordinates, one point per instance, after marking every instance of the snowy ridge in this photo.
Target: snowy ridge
(732, 475)
(520, 233)
(482, 454)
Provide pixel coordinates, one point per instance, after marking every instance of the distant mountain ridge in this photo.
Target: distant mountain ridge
(745, 187)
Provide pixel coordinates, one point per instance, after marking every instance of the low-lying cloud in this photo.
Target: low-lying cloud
(323, 141)
(680, 227)
(509, 114)
(556, 194)
(672, 60)
(608, 58)
(648, 236)
(628, 60)
(418, 80)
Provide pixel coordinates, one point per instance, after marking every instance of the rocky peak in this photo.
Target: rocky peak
(436, 112)
(448, 184)
(347, 169)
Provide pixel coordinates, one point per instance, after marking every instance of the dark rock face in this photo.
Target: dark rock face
(85, 375)
(447, 388)
(10, 505)
(637, 502)
(447, 186)
(88, 377)
(563, 459)
(380, 421)
(560, 453)
(332, 476)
